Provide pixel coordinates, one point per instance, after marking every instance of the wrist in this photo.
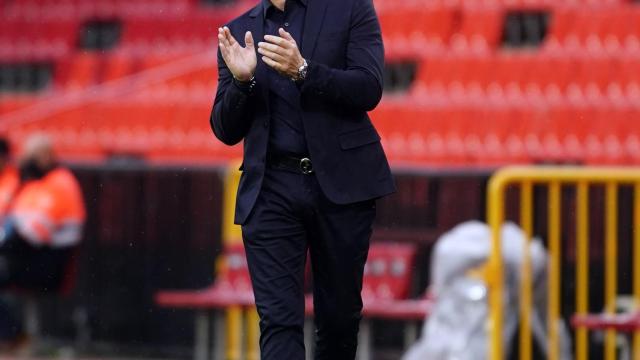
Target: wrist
(245, 86)
(244, 78)
(301, 73)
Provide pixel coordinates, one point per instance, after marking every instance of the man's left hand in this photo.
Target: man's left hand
(281, 53)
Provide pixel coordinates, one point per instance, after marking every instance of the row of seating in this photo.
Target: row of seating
(28, 39)
(183, 91)
(524, 69)
(617, 22)
(397, 48)
(530, 96)
(197, 88)
(420, 46)
(387, 284)
(80, 9)
(179, 92)
(467, 29)
(567, 23)
(85, 69)
(446, 150)
(191, 89)
(37, 10)
(444, 23)
(391, 5)
(454, 135)
(20, 40)
(529, 68)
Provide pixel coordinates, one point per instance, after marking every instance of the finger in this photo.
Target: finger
(248, 40)
(224, 50)
(230, 38)
(272, 63)
(270, 54)
(277, 40)
(272, 47)
(285, 35)
(222, 37)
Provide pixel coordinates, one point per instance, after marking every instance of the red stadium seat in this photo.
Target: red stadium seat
(116, 66)
(472, 103)
(482, 24)
(626, 322)
(385, 290)
(429, 21)
(387, 275)
(78, 71)
(231, 288)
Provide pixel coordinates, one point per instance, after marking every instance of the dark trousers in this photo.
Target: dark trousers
(26, 268)
(290, 217)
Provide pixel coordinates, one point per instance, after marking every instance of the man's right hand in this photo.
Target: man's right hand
(241, 61)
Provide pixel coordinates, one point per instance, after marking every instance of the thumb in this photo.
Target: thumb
(285, 35)
(248, 40)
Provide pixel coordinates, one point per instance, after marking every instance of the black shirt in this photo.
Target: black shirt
(287, 133)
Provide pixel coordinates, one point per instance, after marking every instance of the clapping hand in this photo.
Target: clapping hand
(281, 53)
(241, 61)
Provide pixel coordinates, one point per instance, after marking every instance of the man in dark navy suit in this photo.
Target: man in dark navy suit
(297, 92)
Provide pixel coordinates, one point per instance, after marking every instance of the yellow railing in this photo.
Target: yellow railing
(555, 178)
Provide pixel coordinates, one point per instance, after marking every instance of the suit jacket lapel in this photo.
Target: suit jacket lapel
(312, 24)
(257, 30)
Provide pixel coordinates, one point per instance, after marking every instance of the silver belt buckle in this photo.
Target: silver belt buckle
(306, 166)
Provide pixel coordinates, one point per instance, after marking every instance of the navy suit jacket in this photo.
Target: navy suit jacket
(342, 43)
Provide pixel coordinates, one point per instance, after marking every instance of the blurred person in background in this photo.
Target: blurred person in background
(313, 162)
(42, 227)
(9, 179)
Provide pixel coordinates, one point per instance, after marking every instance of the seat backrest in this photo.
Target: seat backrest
(235, 272)
(387, 273)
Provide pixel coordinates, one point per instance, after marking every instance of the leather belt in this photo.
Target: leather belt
(300, 165)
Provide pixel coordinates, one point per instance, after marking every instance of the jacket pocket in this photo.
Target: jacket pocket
(358, 138)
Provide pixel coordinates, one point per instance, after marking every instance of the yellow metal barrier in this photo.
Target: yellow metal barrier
(555, 178)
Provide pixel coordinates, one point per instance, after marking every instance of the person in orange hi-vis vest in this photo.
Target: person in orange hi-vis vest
(42, 227)
(9, 179)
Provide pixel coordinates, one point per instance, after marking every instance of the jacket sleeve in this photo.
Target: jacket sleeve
(359, 86)
(231, 115)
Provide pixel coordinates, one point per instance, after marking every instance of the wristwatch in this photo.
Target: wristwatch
(302, 71)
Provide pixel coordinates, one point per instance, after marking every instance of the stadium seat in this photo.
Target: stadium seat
(116, 66)
(231, 288)
(625, 322)
(464, 79)
(482, 24)
(385, 291)
(78, 71)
